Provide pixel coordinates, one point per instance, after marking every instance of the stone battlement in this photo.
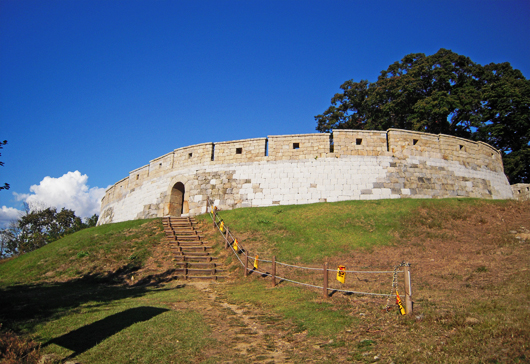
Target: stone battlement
(411, 164)
(521, 191)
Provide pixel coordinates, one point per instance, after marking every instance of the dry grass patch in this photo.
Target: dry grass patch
(471, 284)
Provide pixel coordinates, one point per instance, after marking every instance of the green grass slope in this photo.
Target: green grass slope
(313, 233)
(93, 252)
(82, 298)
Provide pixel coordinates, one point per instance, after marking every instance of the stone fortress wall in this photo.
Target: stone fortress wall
(521, 191)
(307, 168)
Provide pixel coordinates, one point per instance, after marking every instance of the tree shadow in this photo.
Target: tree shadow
(88, 336)
(28, 305)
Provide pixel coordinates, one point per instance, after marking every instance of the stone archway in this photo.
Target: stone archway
(176, 200)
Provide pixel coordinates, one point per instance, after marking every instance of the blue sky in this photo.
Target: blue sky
(102, 87)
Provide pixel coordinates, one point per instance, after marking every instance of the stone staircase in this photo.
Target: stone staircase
(192, 255)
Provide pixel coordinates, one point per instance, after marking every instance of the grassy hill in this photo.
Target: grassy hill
(106, 294)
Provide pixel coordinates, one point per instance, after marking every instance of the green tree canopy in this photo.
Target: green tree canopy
(443, 93)
(39, 227)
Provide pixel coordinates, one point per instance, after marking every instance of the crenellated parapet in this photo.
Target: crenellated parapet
(306, 168)
(521, 191)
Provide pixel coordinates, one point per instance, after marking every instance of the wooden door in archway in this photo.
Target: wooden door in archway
(176, 201)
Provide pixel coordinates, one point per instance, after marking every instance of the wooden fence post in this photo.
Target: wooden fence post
(226, 237)
(408, 291)
(326, 280)
(274, 271)
(246, 264)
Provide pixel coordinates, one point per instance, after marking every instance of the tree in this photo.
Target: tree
(41, 226)
(6, 185)
(6, 238)
(443, 93)
(91, 221)
(9, 241)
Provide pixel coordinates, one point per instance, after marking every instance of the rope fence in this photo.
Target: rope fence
(315, 277)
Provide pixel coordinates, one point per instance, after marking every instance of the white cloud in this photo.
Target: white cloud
(8, 214)
(70, 191)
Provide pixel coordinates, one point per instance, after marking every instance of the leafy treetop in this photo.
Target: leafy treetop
(443, 93)
(38, 227)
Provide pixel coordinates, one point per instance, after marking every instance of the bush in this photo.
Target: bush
(15, 350)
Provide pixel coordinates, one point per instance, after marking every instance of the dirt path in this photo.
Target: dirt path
(247, 335)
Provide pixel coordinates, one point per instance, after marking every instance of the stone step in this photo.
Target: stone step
(189, 225)
(182, 239)
(178, 255)
(199, 246)
(191, 248)
(183, 233)
(178, 239)
(182, 230)
(187, 243)
(176, 220)
(202, 265)
(179, 226)
(201, 277)
(193, 258)
(190, 254)
(196, 271)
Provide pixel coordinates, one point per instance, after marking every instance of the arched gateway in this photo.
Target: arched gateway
(176, 200)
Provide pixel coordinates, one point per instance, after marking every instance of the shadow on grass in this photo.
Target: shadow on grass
(22, 307)
(265, 275)
(88, 336)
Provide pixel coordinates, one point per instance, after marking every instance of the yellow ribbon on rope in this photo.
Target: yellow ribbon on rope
(400, 305)
(341, 274)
